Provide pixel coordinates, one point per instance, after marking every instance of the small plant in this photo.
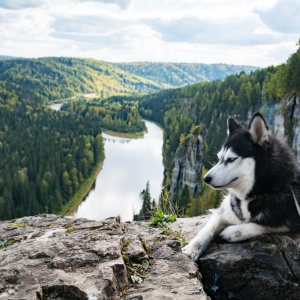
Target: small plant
(136, 266)
(175, 235)
(70, 229)
(159, 219)
(6, 243)
(139, 269)
(18, 225)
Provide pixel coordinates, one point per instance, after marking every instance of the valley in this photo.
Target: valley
(47, 156)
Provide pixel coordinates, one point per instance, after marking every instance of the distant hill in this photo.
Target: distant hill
(6, 57)
(181, 74)
(51, 78)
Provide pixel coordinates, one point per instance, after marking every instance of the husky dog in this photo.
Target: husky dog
(263, 181)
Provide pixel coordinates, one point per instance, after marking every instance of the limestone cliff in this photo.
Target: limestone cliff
(285, 122)
(188, 163)
(53, 257)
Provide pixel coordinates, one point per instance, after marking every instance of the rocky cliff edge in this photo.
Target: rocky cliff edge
(53, 257)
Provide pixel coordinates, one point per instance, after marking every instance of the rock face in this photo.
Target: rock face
(286, 123)
(265, 268)
(52, 257)
(188, 164)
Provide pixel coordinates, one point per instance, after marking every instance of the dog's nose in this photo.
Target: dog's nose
(207, 179)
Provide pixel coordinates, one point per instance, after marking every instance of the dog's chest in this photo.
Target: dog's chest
(240, 208)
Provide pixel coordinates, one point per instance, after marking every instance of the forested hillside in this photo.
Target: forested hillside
(208, 103)
(6, 57)
(44, 157)
(181, 74)
(118, 116)
(211, 103)
(46, 79)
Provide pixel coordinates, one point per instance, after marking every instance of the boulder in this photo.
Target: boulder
(263, 268)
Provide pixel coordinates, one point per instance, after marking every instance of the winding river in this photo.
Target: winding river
(128, 165)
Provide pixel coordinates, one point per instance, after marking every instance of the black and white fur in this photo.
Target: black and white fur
(263, 181)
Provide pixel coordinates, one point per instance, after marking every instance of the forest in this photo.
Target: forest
(45, 79)
(51, 78)
(182, 74)
(111, 115)
(44, 157)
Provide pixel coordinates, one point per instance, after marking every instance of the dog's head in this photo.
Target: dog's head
(237, 158)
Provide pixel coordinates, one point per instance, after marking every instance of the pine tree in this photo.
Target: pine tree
(147, 206)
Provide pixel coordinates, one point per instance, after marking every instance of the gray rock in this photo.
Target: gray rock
(188, 164)
(53, 257)
(264, 268)
(286, 122)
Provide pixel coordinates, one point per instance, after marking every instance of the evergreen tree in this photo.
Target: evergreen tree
(147, 205)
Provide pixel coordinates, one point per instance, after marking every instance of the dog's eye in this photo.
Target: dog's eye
(231, 159)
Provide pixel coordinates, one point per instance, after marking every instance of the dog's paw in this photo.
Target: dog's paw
(193, 250)
(232, 233)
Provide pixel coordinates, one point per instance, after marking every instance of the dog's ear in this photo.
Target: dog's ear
(258, 129)
(232, 126)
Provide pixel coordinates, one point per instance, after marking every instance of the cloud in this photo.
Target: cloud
(195, 30)
(282, 17)
(121, 3)
(90, 29)
(233, 31)
(20, 4)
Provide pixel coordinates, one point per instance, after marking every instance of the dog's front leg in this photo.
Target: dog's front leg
(242, 232)
(200, 242)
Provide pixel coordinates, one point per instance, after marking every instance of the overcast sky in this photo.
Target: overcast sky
(241, 32)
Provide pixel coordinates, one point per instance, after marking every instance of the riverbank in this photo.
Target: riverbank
(71, 206)
(129, 164)
(89, 96)
(136, 135)
(154, 122)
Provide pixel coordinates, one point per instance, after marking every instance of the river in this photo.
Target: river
(128, 165)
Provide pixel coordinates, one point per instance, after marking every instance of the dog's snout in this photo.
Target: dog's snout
(207, 179)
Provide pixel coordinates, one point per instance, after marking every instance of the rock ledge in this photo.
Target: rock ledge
(53, 257)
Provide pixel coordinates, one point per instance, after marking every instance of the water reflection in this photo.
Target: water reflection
(110, 138)
(128, 165)
(57, 106)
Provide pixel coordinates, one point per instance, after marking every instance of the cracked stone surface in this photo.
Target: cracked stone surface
(53, 257)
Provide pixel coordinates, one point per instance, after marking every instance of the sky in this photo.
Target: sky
(241, 32)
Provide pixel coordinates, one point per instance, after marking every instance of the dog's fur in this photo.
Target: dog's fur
(263, 181)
